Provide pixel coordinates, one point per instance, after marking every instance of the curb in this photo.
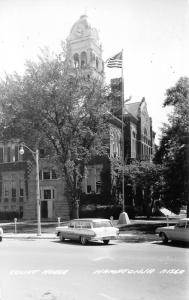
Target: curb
(29, 237)
(54, 237)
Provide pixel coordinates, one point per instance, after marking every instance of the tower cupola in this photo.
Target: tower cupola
(85, 47)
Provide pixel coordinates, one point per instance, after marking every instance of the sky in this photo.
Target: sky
(154, 36)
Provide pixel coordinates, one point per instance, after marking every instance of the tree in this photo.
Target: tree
(147, 181)
(143, 183)
(61, 108)
(173, 151)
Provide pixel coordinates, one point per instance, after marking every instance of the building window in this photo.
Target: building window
(98, 187)
(21, 210)
(89, 189)
(6, 189)
(48, 193)
(93, 181)
(98, 180)
(133, 144)
(115, 143)
(16, 153)
(21, 192)
(83, 59)
(21, 186)
(40, 175)
(54, 174)
(47, 174)
(76, 60)
(1, 154)
(13, 192)
(9, 153)
(41, 153)
(145, 136)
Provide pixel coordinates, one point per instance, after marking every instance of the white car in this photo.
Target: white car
(179, 232)
(85, 230)
(1, 234)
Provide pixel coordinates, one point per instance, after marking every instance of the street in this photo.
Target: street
(51, 270)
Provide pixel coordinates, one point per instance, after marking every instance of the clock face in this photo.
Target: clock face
(79, 30)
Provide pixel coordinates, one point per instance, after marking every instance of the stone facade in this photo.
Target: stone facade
(139, 132)
(18, 185)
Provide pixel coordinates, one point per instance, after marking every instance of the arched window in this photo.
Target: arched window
(83, 59)
(133, 145)
(145, 136)
(92, 56)
(76, 60)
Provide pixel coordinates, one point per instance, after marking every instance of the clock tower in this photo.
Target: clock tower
(85, 48)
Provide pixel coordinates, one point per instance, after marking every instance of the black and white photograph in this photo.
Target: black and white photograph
(94, 150)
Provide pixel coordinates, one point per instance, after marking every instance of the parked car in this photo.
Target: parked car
(179, 232)
(85, 230)
(1, 234)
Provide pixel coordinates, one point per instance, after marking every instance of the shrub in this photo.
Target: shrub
(9, 215)
(104, 211)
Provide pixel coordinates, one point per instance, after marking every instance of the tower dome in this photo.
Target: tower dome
(84, 45)
(82, 28)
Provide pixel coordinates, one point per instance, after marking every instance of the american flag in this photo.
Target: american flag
(115, 61)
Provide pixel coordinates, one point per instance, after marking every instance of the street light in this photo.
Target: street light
(36, 157)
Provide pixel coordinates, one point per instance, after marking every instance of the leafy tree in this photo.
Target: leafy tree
(173, 151)
(59, 108)
(144, 178)
(147, 180)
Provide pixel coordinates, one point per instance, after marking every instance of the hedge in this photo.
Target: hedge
(106, 211)
(9, 215)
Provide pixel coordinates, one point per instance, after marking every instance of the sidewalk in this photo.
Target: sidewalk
(50, 236)
(32, 236)
(138, 228)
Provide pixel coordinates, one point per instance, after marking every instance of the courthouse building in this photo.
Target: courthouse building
(18, 172)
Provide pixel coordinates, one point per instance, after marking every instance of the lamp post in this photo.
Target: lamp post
(123, 148)
(36, 157)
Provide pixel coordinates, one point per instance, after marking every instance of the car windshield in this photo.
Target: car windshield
(102, 224)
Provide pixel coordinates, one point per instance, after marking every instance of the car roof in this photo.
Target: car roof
(91, 219)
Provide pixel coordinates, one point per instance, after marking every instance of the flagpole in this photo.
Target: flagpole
(123, 147)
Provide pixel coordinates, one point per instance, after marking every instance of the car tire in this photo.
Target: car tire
(1, 238)
(61, 237)
(83, 240)
(106, 242)
(164, 237)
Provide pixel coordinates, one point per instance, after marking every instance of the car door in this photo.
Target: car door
(69, 233)
(78, 230)
(186, 232)
(180, 231)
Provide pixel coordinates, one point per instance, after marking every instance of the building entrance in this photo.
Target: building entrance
(44, 209)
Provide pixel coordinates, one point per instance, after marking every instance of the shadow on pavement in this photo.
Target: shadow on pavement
(173, 244)
(139, 240)
(143, 228)
(77, 243)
